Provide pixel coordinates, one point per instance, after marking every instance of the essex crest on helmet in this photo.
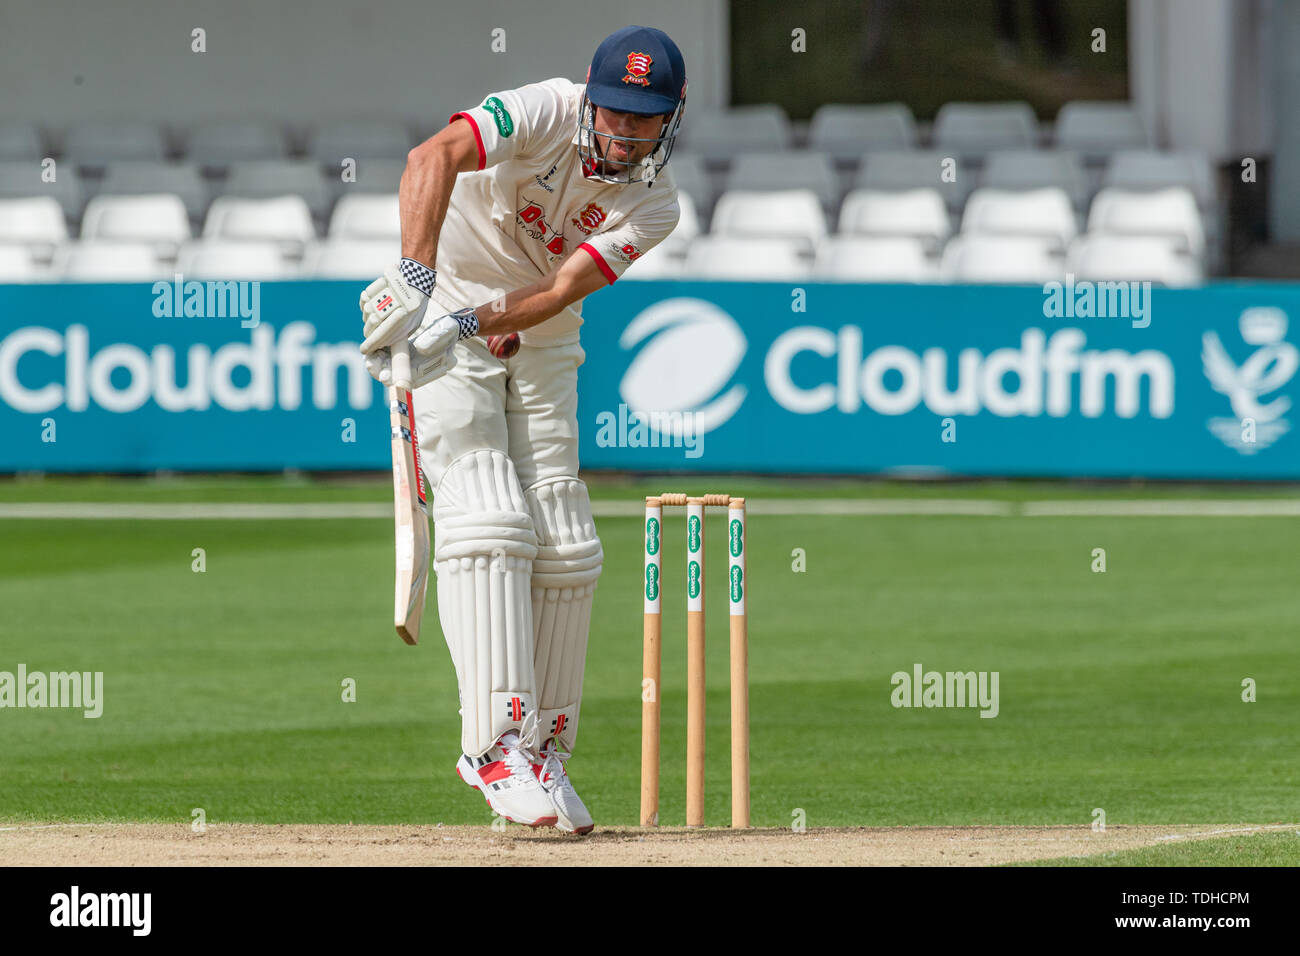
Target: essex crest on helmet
(636, 70)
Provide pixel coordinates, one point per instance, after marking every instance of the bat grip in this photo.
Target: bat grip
(401, 359)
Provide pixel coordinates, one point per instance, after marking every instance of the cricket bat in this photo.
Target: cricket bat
(410, 509)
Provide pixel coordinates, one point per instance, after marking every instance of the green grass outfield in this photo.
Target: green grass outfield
(1255, 849)
(1119, 691)
(353, 488)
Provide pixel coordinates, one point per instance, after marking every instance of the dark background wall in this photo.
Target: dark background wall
(927, 52)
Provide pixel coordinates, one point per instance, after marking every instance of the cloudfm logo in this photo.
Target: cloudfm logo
(689, 350)
(1045, 375)
(43, 369)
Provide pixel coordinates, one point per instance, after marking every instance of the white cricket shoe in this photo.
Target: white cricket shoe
(504, 775)
(571, 812)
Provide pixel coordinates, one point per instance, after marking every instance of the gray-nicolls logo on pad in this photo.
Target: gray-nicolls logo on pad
(76, 908)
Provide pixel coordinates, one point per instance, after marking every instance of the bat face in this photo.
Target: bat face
(411, 516)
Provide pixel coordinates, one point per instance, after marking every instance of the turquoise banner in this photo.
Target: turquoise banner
(1105, 381)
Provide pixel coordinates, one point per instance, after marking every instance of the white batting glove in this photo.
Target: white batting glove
(393, 306)
(424, 368)
(437, 335)
(432, 348)
(379, 364)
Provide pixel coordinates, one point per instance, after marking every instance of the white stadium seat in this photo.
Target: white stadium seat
(1033, 212)
(787, 214)
(366, 216)
(1167, 212)
(1001, 259)
(262, 179)
(1099, 128)
(913, 212)
(1037, 169)
(356, 139)
(217, 145)
(35, 219)
(727, 257)
(228, 259)
(1145, 170)
(158, 219)
(922, 169)
(721, 135)
(847, 130)
(17, 264)
(285, 219)
(1133, 258)
(141, 178)
(972, 129)
(1149, 170)
(101, 142)
(101, 260)
(873, 259)
(22, 180)
(350, 258)
(792, 169)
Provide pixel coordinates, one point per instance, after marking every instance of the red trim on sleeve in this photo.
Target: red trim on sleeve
(600, 261)
(478, 137)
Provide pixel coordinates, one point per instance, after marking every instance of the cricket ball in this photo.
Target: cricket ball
(503, 346)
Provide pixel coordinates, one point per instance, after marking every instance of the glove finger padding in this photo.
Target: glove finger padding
(369, 291)
(391, 310)
(425, 367)
(370, 319)
(379, 364)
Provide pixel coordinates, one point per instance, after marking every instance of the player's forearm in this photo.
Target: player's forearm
(423, 197)
(521, 309)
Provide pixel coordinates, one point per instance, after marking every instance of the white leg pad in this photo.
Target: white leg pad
(484, 546)
(564, 583)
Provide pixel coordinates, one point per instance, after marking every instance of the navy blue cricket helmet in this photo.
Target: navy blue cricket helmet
(635, 70)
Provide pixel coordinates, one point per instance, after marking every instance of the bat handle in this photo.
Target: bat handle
(401, 359)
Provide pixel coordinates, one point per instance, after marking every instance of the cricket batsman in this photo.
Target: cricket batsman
(511, 215)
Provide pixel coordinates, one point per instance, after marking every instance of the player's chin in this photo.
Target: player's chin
(623, 164)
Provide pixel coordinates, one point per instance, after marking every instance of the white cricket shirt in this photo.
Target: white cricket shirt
(529, 206)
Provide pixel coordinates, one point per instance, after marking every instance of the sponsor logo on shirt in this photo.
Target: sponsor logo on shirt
(638, 68)
(505, 125)
(589, 218)
(532, 219)
(629, 252)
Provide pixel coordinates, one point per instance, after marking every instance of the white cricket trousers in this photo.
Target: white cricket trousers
(525, 407)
